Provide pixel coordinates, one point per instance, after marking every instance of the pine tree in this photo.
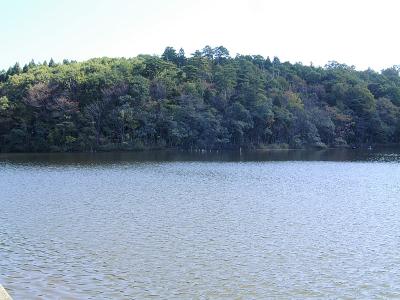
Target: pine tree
(51, 63)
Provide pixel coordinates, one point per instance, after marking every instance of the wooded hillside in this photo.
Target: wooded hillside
(208, 100)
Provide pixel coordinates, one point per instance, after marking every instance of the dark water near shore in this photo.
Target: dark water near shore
(179, 225)
(384, 154)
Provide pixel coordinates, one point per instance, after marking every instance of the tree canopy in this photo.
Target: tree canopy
(208, 100)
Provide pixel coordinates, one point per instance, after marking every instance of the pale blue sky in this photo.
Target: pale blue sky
(363, 33)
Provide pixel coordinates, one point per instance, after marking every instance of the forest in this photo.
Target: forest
(206, 100)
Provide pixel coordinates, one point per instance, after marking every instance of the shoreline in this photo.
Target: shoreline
(227, 150)
(3, 294)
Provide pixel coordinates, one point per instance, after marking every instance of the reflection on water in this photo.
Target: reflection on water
(101, 158)
(280, 224)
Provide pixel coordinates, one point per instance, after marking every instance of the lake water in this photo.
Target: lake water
(176, 225)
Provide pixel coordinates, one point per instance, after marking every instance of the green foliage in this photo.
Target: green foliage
(4, 104)
(206, 101)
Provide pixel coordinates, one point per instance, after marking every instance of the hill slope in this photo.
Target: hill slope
(206, 101)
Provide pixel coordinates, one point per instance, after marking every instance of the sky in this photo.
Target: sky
(363, 33)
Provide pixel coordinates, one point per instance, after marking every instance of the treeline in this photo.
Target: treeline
(208, 100)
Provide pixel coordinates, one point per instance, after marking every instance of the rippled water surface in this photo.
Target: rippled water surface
(168, 225)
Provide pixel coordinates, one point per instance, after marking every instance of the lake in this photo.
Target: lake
(180, 225)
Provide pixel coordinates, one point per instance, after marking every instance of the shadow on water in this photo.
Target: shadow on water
(385, 154)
